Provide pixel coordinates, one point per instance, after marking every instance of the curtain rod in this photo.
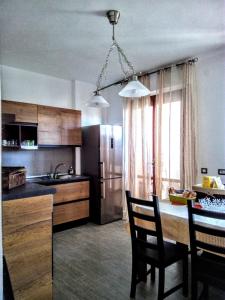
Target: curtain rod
(180, 63)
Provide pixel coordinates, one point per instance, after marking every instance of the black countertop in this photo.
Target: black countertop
(27, 190)
(37, 187)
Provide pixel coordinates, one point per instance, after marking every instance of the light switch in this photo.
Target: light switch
(221, 171)
(204, 170)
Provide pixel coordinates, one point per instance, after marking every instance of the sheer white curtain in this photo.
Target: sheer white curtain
(175, 129)
(138, 127)
(162, 129)
(168, 130)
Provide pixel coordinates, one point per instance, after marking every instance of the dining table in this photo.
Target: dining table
(174, 220)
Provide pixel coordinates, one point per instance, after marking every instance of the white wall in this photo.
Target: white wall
(83, 93)
(210, 75)
(114, 114)
(30, 87)
(211, 89)
(26, 86)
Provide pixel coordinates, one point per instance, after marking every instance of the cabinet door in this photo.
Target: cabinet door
(71, 127)
(24, 112)
(27, 245)
(49, 125)
(71, 191)
(70, 212)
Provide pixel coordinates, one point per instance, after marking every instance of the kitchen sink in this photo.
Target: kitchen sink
(58, 177)
(66, 178)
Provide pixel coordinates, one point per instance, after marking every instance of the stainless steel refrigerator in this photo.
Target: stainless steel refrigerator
(101, 159)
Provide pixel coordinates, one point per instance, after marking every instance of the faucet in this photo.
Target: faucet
(56, 168)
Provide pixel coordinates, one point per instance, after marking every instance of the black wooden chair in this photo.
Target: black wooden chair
(149, 248)
(206, 267)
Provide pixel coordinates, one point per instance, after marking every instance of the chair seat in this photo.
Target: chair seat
(210, 268)
(173, 253)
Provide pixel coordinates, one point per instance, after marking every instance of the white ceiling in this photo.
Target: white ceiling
(69, 39)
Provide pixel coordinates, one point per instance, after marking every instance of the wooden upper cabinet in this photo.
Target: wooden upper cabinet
(58, 126)
(71, 127)
(24, 112)
(49, 125)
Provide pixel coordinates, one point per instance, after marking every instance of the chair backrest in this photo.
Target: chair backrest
(196, 228)
(139, 234)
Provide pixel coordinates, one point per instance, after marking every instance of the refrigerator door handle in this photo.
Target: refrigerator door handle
(103, 189)
(102, 169)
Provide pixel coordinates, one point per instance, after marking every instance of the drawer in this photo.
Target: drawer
(71, 191)
(70, 212)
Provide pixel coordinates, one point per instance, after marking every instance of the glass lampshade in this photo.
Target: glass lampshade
(97, 101)
(134, 89)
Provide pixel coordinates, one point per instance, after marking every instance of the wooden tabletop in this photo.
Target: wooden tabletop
(175, 226)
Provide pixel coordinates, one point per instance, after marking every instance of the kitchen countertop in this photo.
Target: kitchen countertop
(38, 186)
(49, 182)
(27, 190)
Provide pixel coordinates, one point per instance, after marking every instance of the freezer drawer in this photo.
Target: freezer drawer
(111, 200)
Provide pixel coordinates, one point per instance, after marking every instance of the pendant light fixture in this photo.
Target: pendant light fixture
(134, 87)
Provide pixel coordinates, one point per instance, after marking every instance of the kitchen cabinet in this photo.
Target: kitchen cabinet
(27, 245)
(71, 202)
(70, 212)
(16, 135)
(71, 127)
(23, 112)
(49, 125)
(58, 126)
(54, 126)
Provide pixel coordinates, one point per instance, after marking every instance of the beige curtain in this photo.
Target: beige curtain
(189, 128)
(138, 145)
(172, 131)
(175, 129)
(167, 133)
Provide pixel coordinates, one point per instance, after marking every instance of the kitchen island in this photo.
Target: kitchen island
(29, 213)
(27, 239)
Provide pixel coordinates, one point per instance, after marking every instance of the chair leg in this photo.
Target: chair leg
(194, 287)
(161, 283)
(133, 279)
(205, 292)
(152, 274)
(185, 276)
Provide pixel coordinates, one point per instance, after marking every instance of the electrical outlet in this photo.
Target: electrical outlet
(221, 171)
(204, 170)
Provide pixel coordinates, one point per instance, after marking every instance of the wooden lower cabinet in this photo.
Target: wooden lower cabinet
(27, 246)
(71, 191)
(70, 212)
(71, 202)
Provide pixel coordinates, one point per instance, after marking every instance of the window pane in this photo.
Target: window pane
(170, 159)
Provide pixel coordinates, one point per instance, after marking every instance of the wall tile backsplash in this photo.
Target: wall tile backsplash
(41, 161)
